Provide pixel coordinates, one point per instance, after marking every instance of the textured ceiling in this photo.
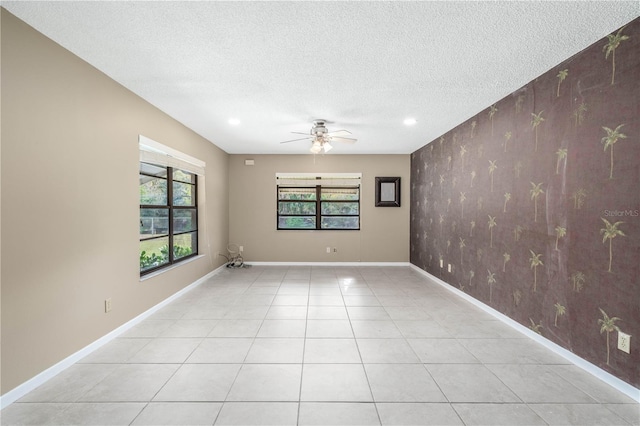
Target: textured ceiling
(363, 66)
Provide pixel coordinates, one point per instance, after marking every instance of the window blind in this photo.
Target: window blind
(162, 155)
(322, 179)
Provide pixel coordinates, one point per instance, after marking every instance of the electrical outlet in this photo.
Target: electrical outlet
(107, 305)
(449, 267)
(241, 249)
(328, 249)
(624, 342)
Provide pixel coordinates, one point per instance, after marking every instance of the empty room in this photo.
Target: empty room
(348, 213)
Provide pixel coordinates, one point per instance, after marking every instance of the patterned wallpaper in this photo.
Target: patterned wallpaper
(535, 202)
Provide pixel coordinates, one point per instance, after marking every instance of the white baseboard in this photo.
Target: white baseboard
(26, 387)
(328, 263)
(596, 371)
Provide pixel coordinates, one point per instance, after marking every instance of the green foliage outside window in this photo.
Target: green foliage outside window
(339, 208)
(151, 260)
(168, 216)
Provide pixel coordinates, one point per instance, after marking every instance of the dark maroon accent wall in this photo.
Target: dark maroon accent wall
(549, 235)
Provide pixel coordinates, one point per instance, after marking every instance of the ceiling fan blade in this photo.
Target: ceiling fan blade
(343, 140)
(296, 140)
(339, 133)
(301, 133)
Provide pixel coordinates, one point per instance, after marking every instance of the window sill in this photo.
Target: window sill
(167, 269)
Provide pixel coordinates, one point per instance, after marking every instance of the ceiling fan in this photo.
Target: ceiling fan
(321, 138)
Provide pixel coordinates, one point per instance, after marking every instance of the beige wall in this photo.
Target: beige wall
(384, 234)
(69, 214)
(69, 203)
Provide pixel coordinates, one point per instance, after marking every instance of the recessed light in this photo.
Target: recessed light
(409, 121)
(234, 121)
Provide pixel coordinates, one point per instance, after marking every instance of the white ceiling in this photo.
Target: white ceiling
(363, 66)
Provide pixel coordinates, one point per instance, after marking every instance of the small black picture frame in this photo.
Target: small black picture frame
(388, 191)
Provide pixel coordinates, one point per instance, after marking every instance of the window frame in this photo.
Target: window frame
(318, 202)
(171, 209)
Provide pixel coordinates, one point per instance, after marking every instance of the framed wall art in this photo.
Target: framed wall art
(387, 192)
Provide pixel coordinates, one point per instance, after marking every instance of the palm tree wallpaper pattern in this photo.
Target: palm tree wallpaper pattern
(556, 210)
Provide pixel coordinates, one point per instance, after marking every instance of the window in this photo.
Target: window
(169, 182)
(319, 207)
(168, 216)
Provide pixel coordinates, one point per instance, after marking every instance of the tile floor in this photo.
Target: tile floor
(300, 345)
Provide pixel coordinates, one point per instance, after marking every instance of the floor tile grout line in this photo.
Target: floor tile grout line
(528, 405)
(435, 381)
(304, 345)
(242, 364)
(139, 413)
(561, 377)
(373, 400)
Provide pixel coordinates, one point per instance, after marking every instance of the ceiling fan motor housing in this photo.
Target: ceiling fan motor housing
(318, 128)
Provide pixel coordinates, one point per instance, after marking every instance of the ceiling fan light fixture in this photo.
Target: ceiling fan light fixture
(410, 121)
(316, 148)
(320, 138)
